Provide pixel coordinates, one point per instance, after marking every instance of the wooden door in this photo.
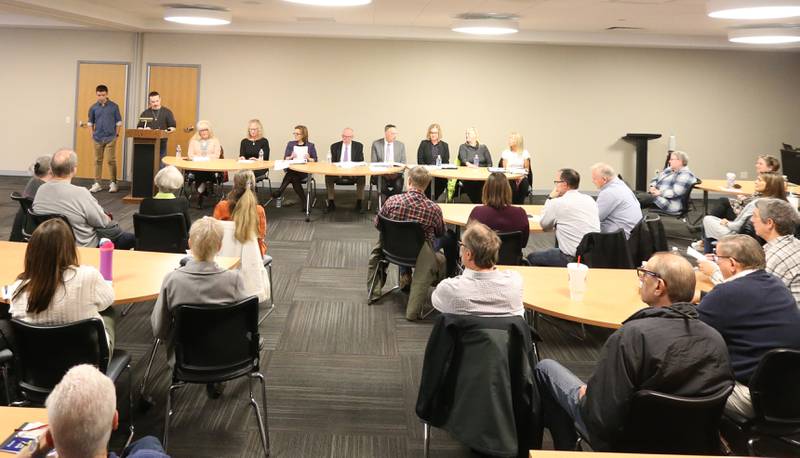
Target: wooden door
(90, 75)
(179, 86)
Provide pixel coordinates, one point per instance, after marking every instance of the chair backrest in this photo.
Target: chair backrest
(165, 233)
(605, 250)
(686, 199)
(251, 263)
(25, 224)
(775, 387)
(214, 342)
(658, 235)
(46, 352)
(748, 229)
(510, 248)
(665, 423)
(26, 203)
(39, 218)
(640, 243)
(401, 240)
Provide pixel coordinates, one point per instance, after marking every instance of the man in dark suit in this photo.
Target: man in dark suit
(389, 149)
(346, 151)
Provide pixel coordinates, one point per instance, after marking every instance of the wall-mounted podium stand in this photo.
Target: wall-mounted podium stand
(146, 161)
(640, 141)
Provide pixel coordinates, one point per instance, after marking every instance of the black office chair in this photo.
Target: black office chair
(45, 353)
(605, 250)
(658, 235)
(510, 253)
(164, 233)
(39, 218)
(401, 243)
(665, 423)
(687, 206)
(23, 227)
(216, 343)
(748, 229)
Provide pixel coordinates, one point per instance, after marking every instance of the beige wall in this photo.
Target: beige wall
(571, 103)
(38, 81)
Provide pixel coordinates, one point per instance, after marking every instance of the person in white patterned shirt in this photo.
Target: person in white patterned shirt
(481, 289)
(775, 221)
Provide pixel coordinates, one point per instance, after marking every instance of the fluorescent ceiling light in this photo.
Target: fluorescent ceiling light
(197, 16)
(753, 9)
(331, 2)
(486, 26)
(765, 35)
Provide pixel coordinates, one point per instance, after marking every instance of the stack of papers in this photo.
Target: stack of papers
(200, 158)
(246, 161)
(497, 169)
(349, 165)
(696, 254)
(284, 164)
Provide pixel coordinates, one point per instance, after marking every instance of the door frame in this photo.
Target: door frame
(123, 167)
(149, 65)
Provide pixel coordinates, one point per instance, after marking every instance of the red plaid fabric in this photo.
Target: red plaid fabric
(415, 206)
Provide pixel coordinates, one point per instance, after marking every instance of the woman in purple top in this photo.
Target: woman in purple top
(497, 211)
(292, 177)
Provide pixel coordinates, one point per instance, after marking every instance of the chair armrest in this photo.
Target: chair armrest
(6, 356)
(267, 260)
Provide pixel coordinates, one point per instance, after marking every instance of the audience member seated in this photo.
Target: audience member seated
(776, 222)
(390, 150)
(54, 288)
(517, 157)
(242, 207)
(200, 282)
(729, 207)
(481, 289)
(254, 144)
(346, 150)
(413, 205)
(663, 347)
(299, 148)
(168, 181)
(41, 174)
(497, 211)
(429, 149)
(617, 206)
(753, 311)
(81, 414)
(668, 189)
(571, 214)
(766, 185)
(467, 153)
(204, 145)
(85, 215)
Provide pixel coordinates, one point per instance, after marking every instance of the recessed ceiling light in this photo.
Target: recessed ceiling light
(753, 9)
(486, 26)
(773, 35)
(331, 2)
(197, 16)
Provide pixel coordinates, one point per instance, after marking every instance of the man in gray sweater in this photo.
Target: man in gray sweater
(85, 215)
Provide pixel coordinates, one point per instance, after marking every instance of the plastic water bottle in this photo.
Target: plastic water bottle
(261, 155)
(329, 157)
(438, 160)
(106, 259)
(178, 151)
(476, 161)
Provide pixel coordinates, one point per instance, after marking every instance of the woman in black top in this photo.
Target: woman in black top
(254, 143)
(466, 156)
(168, 180)
(427, 153)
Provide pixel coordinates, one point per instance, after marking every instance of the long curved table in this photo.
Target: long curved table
(331, 169)
(137, 274)
(458, 214)
(462, 173)
(217, 165)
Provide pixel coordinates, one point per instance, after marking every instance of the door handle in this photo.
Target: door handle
(83, 123)
(188, 129)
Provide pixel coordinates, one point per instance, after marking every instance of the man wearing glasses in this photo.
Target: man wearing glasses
(752, 309)
(663, 347)
(346, 151)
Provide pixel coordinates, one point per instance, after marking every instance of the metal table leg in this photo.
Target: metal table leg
(705, 202)
(308, 198)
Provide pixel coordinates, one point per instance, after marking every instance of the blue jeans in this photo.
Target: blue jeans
(559, 389)
(146, 447)
(549, 258)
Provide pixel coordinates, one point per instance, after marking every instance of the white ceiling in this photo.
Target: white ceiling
(663, 23)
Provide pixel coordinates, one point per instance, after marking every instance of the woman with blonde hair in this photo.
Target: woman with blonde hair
(241, 206)
(517, 157)
(431, 149)
(473, 153)
(204, 145)
(254, 144)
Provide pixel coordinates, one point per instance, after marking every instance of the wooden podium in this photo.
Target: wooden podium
(146, 161)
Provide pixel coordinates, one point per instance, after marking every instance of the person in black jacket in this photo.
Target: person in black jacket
(346, 150)
(168, 180)
(429, 149)
(663, 347)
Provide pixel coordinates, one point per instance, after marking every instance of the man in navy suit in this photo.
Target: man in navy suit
(346, 150)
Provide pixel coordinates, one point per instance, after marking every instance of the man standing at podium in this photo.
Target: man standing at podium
(162, 118)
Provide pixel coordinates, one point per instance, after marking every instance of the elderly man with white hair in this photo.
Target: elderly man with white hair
(616, 204)
(81, 412)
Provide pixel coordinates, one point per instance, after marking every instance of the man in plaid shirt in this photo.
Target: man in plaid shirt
(776, 222)
(669, 188)
(413, 205)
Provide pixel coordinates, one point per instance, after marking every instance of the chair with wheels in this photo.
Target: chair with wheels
(401, 242)
(216, 343)
(45, 353)
(605, 250)
(510, 253)
(163, 233)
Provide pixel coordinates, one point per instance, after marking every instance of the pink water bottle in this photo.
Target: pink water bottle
(106, 259)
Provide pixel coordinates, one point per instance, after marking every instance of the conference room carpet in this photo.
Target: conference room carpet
(342, 376)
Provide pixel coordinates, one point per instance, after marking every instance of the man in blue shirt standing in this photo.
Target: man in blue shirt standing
(105, 121)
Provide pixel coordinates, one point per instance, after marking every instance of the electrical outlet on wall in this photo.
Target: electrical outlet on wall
(68, 120)
(743, 175)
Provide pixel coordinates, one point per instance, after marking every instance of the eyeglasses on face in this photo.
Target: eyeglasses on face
(558, 181)
(642, 272)
(717, 257)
